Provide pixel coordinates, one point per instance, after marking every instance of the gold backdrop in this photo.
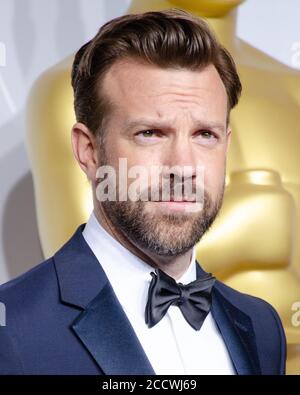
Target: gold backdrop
(254, 245)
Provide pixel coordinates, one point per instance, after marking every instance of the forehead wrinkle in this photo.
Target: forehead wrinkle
(162, 97)
(115, 78)
(182, 91)
(161, 122)
(185, 99)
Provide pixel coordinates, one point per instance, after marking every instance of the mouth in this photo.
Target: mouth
(177, 201)
(182, 199)
(173, 205)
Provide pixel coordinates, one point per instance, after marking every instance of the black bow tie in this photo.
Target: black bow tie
(193, 299)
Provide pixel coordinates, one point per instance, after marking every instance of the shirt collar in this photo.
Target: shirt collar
(128, 274)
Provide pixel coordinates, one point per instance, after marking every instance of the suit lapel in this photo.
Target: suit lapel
(236, 329)
(108, 335)
(102, 326)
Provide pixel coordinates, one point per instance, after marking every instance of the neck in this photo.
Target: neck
(174, 266)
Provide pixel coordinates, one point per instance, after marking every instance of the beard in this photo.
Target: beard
(164, 234)
(161, 233)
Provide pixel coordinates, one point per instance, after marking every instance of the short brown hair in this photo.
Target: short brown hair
(168, 39)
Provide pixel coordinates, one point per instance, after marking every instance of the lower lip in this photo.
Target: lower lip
(176, 206)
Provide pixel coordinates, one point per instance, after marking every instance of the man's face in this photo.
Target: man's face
(166, 117)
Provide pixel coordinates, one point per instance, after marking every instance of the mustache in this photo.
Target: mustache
(173, 192)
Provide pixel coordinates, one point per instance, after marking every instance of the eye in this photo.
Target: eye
(148, 133)
(148, 136)
(207, 134)
(206, 138)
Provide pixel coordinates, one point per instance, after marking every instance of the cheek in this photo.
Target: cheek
(131, 164)
(123, 148)
(214, 174)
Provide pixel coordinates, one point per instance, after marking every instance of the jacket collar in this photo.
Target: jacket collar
(105, 330)
(238, 333)
(235, 327)
(80, 277)
(102, 326)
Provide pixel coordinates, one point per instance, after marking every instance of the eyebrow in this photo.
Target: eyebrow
(154, 123)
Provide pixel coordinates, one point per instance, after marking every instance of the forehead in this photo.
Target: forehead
(136, 86)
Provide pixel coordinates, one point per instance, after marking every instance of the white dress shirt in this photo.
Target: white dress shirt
(172, 345)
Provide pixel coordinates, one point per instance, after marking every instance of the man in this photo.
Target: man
(125, 295)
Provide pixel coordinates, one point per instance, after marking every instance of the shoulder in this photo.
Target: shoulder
(267, 326)
(29, 298)
(24, 301)
(253, 306)
(35, 283)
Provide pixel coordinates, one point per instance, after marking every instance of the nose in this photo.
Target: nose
(180, 157)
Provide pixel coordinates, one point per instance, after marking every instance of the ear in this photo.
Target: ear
(85, 149)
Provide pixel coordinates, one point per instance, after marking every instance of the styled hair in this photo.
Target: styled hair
(168, 39)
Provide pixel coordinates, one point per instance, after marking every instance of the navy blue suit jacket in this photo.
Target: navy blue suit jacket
(63, 317)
